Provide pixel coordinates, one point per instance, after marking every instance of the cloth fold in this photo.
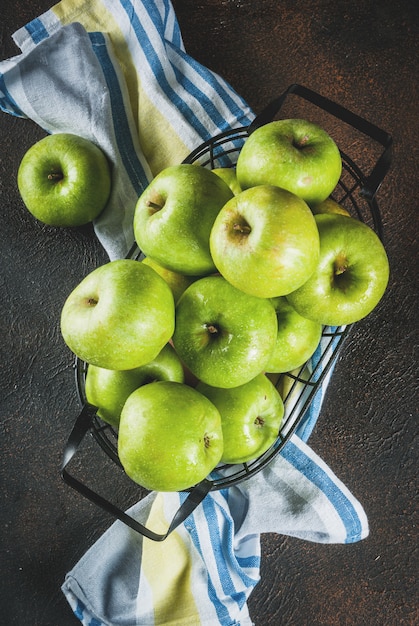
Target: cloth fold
(117, 73)
(127, 85)
(205, 571)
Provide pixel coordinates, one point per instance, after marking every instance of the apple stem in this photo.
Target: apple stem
(212, 329)
(301, 142)
(153, 205)
(341, 265)
(242, 228)
(55, 176)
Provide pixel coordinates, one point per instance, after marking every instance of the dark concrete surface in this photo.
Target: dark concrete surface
(365, 55)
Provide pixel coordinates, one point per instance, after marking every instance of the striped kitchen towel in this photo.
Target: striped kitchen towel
(205, 571)
(117, 73)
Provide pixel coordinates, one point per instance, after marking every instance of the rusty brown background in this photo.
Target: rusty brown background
(364, 55)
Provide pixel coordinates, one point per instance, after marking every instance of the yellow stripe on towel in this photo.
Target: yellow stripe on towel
(167, 568)
(160, 144)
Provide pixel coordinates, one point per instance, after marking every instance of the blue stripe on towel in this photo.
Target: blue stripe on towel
(123, 136)
(318, 363)
(7, 102)
(219, 547)
(158, 70)
(215, 84)
(320, 478)
(81, 615)
(249, 562)
(79, 610)
(305, 428)
(174, 93)
(220, 608)
(37, 30)
(175, 36)
(220, 544)
(208, 103)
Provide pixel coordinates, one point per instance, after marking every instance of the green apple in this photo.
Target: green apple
(120, 316)
(64, 180)
(251, 417)
(291, 386)
(174, 216)
(170, 436)
(228, 174)
(177, 282)
(109, 389)
(297, 338)
(265, 241)
(351, 277)
(295, 154)
(329, 206)
(223, 335)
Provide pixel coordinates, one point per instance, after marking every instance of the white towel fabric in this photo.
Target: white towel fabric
(116, 72)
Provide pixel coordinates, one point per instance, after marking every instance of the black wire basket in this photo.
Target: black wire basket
(357, 193)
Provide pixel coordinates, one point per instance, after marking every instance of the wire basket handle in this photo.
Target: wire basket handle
(376, 177)
(80, 429)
